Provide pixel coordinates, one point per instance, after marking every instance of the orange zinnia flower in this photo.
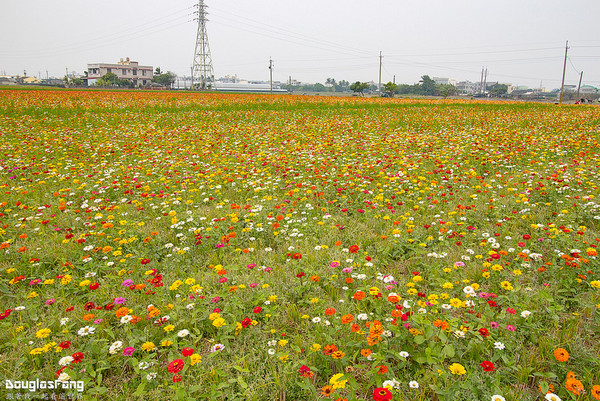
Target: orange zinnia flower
(358, 295)
(327, 391)
(382, 369)
(338, 355)
(347, 319)
(329, 311)
(595, 392)
(122, 312)
(561, 355)
(329, 349)
(574, 386)
(365, 352)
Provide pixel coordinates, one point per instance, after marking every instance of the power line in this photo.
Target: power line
(151, 31)
(118, 34)
(262, 25)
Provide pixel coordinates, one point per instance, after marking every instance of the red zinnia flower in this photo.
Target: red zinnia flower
(77, 357)
(187, 351)
(65, 344)
(176, 366)
(246, 322)
(177, 378)
(382, 369)
(382, 394)
(484, 332)
(488, 366)
(94, 286)
(258, 309)
(353, 249)
(145, 261)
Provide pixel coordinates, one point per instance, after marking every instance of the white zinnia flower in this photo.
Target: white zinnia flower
(115, 347)
(413, 384)
(63, 378)
(84, 331)
(65, 360)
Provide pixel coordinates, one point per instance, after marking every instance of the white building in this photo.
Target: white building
(139, 75)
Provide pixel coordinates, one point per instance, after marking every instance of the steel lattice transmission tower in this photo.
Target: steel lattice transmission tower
(203, 74)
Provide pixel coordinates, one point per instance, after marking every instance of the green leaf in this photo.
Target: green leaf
(242, 382)
(140, 389)
(449, 351)
(419, 339)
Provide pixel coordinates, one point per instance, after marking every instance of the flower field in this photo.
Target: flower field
(208, 246)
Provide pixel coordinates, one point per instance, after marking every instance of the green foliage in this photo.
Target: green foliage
(359, 87)
(166, 79)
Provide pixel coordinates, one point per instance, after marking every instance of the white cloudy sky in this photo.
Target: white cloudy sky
(519, 41)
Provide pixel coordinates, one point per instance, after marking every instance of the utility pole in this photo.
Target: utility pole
(579, 86)
(562, 85)
(485, 81)
(271, 73)
(67, 70)
(380, 62)
(481, 82)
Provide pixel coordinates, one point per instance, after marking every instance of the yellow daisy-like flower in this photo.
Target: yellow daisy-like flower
(166, 343)
(168, 328)
(219, 322)
(148, 346)
(457, 369)
(43, 333)
(336, 382)
(194, 359)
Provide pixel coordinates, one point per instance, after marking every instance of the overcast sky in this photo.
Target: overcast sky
(519, 41)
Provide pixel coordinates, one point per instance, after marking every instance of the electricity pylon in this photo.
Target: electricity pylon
(203, 75)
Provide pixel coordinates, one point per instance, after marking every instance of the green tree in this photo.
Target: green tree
(359, 87)
(73, 82)
(499, 89)
(446, 90)
(108, 79)
(157, 71)
(427, 86)
(390, 88)
(165, 79)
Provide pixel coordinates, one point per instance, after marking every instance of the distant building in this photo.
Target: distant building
(444, 81)
(468, 87)
(139, 75)
(588, 90)
(7, 80)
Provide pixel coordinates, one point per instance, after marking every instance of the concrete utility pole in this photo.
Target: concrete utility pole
(485, 81)
(271, 73)
(380, 63)
(579, 86)
(481, 82)
(562, 85)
